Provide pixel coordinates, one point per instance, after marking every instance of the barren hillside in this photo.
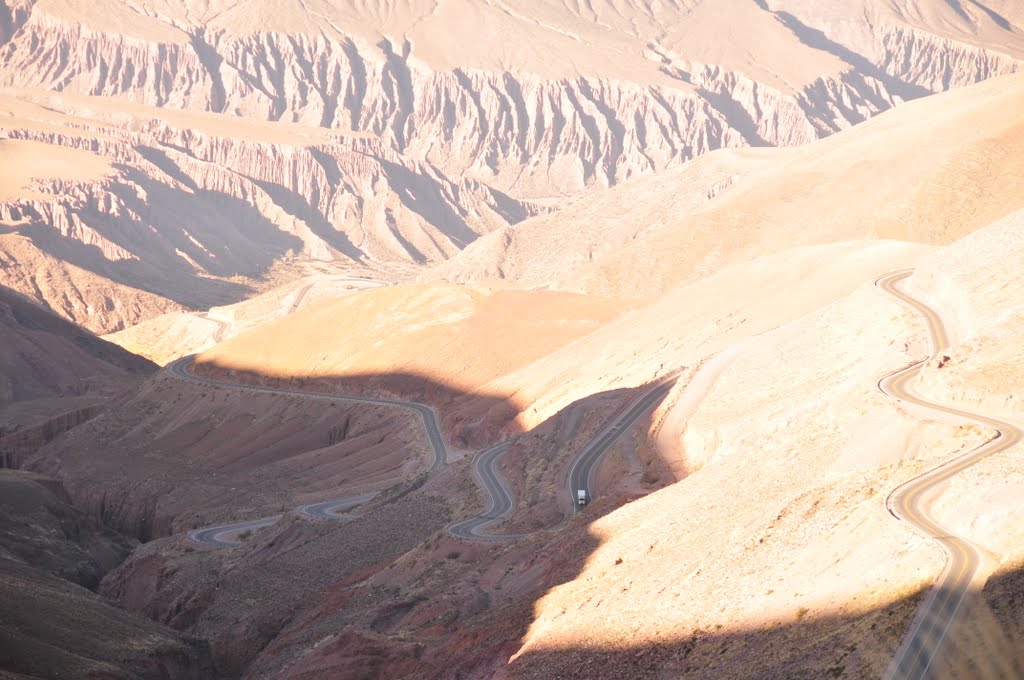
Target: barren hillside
(53, 627)
(318, 198)
(537, 98)
(125, 212)
(812, 535)
(928, 172)
(170, 336)
(50, 367)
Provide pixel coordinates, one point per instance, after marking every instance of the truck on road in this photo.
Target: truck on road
(581, 496)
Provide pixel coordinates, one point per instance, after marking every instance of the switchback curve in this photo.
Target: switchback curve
(909, 503)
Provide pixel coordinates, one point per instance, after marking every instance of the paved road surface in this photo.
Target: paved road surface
(366, 283)
(501, 501)
(222, 327)
(227, 535)
(334, 509)
(494, 485)
(582, 470)
(181, 369)
(908, 502)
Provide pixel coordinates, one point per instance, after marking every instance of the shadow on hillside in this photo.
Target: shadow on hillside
(985, 641)
(185, 239)
(371, 631)
(304, 208)
(312, 603)
(470, 420)
(30, 316)
(817, 39)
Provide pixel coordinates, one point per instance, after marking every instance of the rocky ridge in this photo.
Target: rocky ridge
(525, 133)
(392, 148)
(194, 217)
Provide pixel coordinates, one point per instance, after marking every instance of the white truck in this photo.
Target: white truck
(581, 496)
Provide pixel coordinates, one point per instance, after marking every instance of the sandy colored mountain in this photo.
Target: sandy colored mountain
(111, 215)
(538, 99)
(236, 179)
(171, 336)
(677, 256)
(826, 460)
(376, 139)
(826, 578)
(930, 172)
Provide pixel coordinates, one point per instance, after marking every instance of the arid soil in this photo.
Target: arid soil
(920, 173)
(171, 336)
(51, 625)
(555, 237)
(205, 455)
(190, 156)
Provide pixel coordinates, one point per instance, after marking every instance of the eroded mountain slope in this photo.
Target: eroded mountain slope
(537, 99)
(125, 212)
(52, 626)
(930, 172)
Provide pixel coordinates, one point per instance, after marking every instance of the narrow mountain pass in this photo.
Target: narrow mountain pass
(910, 503)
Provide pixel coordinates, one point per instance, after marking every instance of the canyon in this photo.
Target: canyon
(258, 256)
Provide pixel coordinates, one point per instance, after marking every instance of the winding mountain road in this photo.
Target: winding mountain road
(501, 501)
(230, 535)
(487, 477)
(227, 534)
(581, 472)
(224, 327)
(335, 509)
(909, 502)
(301, 295)
(181, 369)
